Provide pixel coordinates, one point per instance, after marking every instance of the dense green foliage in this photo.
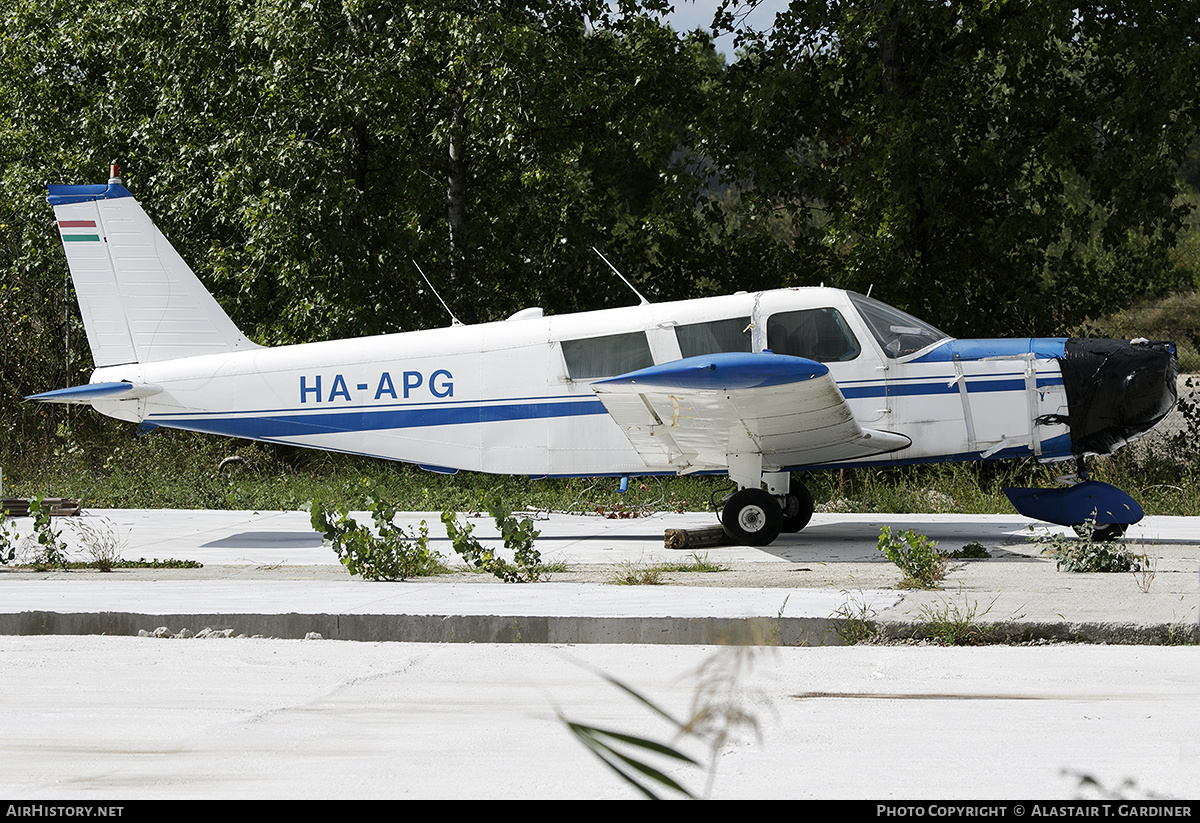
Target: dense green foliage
(1003, 167)
(1089, 553)
(526, 566)
(388, 553)
(995, 167)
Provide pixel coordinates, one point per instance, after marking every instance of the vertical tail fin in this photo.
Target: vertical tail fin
(140, 301)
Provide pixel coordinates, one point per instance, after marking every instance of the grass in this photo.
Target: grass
(140, 563)
(632, 574)
(697, 563)
(951, 624)
(556, 567)
(106, 466)
(853, 621)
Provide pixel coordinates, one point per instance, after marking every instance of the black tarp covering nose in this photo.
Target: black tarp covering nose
(1116, 391)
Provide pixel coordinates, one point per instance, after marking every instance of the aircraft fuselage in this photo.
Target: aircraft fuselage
(502, 397)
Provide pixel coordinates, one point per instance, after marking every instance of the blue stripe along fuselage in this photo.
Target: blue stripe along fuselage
(276, 424)
(939, 385)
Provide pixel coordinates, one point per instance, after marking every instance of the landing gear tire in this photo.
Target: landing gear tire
(752, 517)
(1103, 532)
(797, 508)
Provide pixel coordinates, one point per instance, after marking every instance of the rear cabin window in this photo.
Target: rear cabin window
(606, 356)
(818, 334)
(732, 335)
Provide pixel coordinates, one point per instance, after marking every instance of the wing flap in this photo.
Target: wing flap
(689, 415)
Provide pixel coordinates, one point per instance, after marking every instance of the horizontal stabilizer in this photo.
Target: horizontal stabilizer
(97, 391)
(690, 415)
(1075, 505)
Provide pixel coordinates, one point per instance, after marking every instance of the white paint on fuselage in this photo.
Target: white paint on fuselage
(333, 395)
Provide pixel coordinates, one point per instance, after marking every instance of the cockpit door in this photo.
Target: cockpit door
(824, 333)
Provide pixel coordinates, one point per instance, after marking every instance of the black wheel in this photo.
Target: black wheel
(752, 517)
(1104, 531)
(797, 509)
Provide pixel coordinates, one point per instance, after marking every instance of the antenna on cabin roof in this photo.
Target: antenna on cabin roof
(869, 289)
(643, 300)
(454, 321)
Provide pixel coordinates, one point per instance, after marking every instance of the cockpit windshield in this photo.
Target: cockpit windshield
(898, 333)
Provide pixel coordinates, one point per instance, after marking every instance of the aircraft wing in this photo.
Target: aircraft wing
(690, 415)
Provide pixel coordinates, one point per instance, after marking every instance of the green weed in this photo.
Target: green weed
(392, 554)
(9, 540)
(1087, 554)
(953, 625)
(51, 552)
(915, 555)
(526, 567)
(853, 621)
(155, 563)
(140, 563)
(971, 551)
(633, 574)
(697, 563)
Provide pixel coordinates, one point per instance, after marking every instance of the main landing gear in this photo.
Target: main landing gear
(752, 517)
(755, 517)
(797, 508)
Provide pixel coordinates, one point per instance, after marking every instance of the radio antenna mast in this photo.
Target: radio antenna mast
(643, 300)
(454, 321)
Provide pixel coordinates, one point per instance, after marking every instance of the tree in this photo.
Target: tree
(301, 154)
(996, 167)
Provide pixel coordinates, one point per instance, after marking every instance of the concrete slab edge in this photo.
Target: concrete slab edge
(1021, 632)
(781, 631)
(441, 628)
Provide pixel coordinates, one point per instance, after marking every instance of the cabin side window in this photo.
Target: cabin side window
(818, 334)
(606, 356)
(731, 335)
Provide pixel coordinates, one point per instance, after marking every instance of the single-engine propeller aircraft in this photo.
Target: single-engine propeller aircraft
(756, 386)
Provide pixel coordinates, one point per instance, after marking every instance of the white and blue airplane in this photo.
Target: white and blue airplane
(753, 385)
